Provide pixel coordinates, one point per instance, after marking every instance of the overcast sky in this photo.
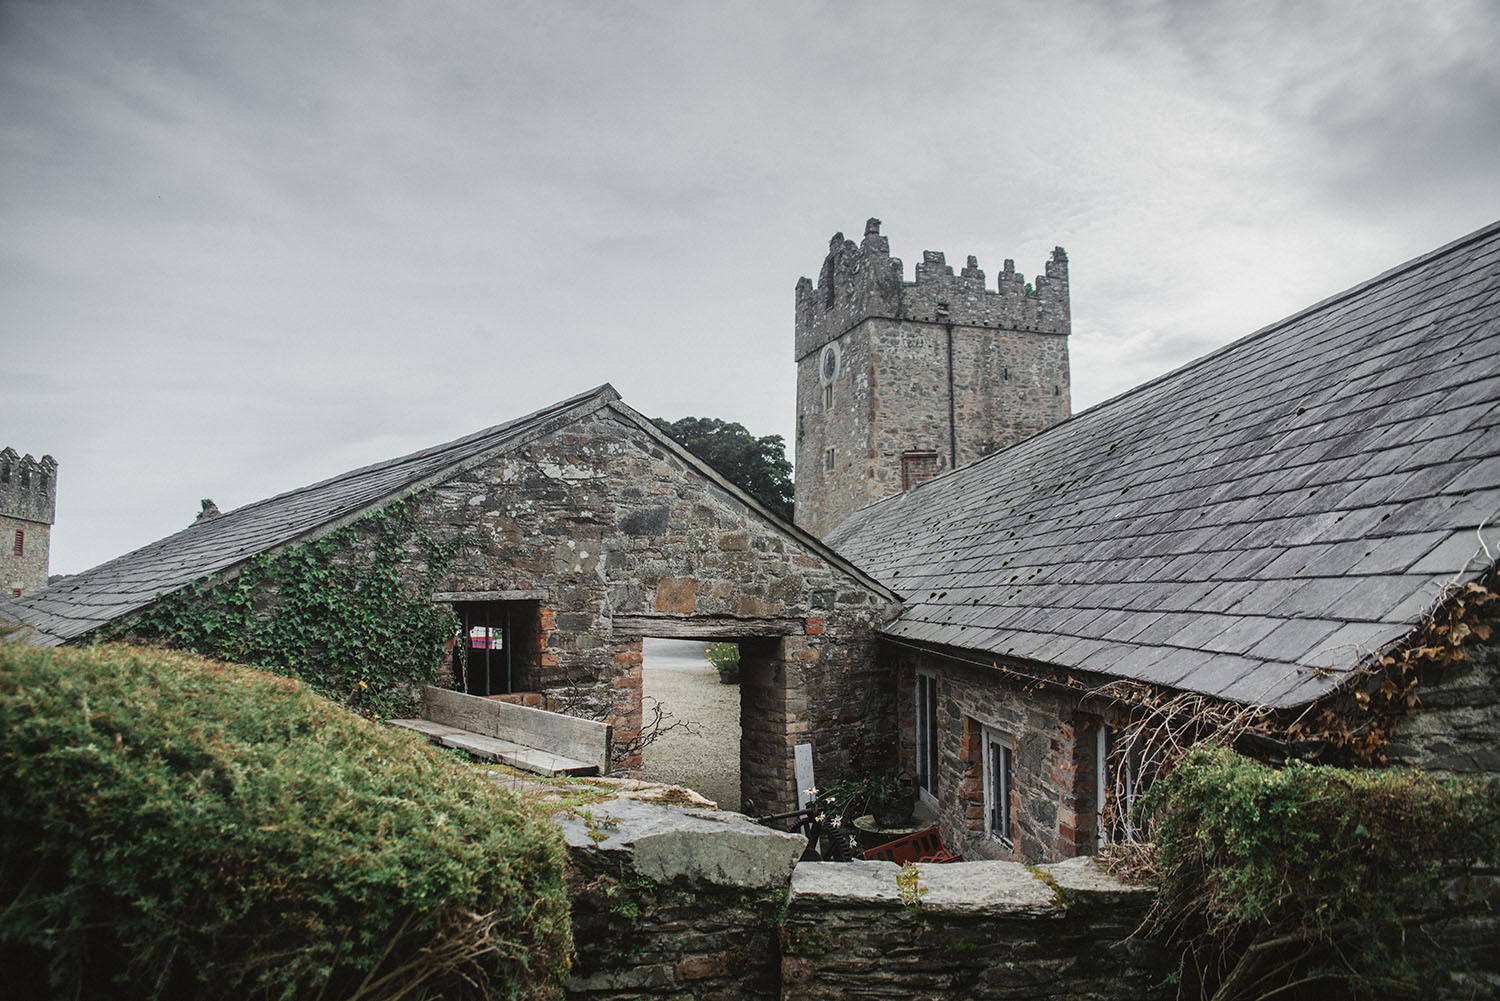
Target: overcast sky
(245, 246)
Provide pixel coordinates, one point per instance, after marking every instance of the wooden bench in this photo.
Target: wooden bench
(533, 740)
(923, 846)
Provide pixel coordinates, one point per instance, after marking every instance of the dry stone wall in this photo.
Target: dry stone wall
(970, 929)
(681, 903)
(675, 903)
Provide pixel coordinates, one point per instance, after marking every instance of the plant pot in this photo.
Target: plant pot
(730, 677)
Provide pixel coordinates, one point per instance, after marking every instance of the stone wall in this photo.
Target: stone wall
(28, 572)
(1453, 731)
(942, 364)
(681, 903)
(675, 903)
(1053, 746)
(625, 538)
(28, 501)
(969, 930)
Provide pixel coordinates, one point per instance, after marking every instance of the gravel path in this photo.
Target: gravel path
(675, 673)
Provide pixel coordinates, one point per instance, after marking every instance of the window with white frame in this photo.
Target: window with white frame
(999, 786)
(927, 734)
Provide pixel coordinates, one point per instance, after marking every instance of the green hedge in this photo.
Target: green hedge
(1364, 883)
(172, 827)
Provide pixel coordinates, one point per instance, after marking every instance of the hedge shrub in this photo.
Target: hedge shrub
(1342, 882)
(172, 827)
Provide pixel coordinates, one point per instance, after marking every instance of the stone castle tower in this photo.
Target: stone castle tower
(898, 381)
(28, 500)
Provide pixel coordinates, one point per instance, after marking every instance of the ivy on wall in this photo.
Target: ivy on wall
(344, 613)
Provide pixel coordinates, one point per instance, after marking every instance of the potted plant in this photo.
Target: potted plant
(725, 658)
(892, 801)
(885, 798)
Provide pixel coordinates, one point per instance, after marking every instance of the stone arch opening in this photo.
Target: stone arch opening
(767, 697)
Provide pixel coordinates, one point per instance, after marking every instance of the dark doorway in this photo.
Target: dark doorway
(493, 654)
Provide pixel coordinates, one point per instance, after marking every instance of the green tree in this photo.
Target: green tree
(759, 466)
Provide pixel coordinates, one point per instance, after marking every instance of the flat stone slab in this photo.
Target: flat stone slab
(508, 752)
(989, 889)
(666, 843)
(846, 884)
(1084, 879)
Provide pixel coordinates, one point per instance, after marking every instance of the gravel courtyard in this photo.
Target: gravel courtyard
(676, 673)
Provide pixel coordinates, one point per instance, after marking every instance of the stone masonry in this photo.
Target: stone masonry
(677, 903)
(926, 375)
(1054, 797)
(617, 537)
(28, 502)
(1454, 731)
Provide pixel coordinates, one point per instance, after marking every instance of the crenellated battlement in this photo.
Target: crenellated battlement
(28, 487)
(863, 281)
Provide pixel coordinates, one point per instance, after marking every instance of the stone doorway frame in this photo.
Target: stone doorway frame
(771, 690)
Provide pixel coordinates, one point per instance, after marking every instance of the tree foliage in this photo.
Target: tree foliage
(759, 466)
(172, 827)
(1278, 878)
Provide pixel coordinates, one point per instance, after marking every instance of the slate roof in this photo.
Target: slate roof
(1250, 526)
(79, 604)
(75, 605)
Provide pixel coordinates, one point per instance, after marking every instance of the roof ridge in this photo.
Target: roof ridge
(602, 393)
(1322, 304)
(1261, 332)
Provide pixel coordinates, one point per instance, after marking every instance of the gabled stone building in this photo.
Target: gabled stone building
(28, 507)
(1255, 528)
(584, 530)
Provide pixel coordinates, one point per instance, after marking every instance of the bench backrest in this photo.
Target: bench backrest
(585, 740)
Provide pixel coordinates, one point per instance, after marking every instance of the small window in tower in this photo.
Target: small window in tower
(5, 472)
(20, 542)
(917, 466)
(15, 592)
(828, 459)
(828, 373)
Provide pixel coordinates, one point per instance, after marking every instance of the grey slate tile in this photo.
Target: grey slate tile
(1298, 502)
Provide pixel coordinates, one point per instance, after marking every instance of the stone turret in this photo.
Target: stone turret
(28, 503)
(898, 381)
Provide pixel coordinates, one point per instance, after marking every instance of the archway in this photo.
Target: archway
(766, 740)
(697, 717)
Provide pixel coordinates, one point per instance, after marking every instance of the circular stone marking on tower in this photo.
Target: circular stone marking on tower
(830, 369)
